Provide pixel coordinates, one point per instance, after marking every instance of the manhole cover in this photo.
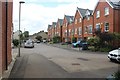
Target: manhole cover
(49, 58)
(75, 64)
(83, 59)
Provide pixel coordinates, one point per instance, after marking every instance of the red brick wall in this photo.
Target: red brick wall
(70, 35)
(64, 28)
(0, 39)
(3, 32)
(79, 24)
(87, 23)
(102, 19)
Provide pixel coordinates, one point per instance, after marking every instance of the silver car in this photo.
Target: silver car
(29, 44)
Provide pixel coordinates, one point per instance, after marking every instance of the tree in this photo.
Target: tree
(15, 42)
(26, 34)
(39, 38)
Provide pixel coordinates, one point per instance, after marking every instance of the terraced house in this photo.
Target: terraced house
(83, 24)
(67, 27)
(59, 28)
(49, 32)
(6, 9)
(53, 29)
(105, 17)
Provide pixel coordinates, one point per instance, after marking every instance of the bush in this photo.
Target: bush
(16, 42)
(117, 75)
(105, 49)
(56, 39)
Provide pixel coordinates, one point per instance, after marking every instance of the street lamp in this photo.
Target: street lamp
(19, 26)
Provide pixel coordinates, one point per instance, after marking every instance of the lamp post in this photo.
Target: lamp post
(19, 26)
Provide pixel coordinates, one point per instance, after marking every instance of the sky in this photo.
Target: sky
(37, 14)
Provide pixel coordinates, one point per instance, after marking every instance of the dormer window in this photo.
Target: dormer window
(97, 14)
(88, 18)
(107, 11)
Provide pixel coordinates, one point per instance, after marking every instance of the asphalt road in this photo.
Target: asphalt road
(45, 61)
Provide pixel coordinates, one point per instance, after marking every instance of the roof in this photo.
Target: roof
(69, 18)
(54, 24)
(49, 26)
(60, 21)
(114, 3)
(83, 11)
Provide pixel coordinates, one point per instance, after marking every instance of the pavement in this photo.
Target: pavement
(10, 66)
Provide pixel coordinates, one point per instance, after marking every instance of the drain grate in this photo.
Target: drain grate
(83, 59)
(75, 64)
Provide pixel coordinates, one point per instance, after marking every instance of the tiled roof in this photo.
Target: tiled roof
(60, 21)
(69, 18)
(54, 24)
(49, 26)
(115, 3)
(83, 11)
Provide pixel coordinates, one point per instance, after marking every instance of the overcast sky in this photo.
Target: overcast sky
(37, 14)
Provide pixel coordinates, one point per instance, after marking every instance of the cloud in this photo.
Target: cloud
(36, 17)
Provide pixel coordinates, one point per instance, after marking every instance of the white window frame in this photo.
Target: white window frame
(106, 28)
(98, 14)
(90, 29)
(106, 11)
(80, 20)
(97, 25)
(80, 30)
(75, 30)
(85, 29)
(75, 21)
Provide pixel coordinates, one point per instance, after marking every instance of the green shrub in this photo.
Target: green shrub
(117, 75)
(106, 49)
(56, 39)
(16, 42)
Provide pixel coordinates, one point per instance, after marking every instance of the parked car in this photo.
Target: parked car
(79, 43)
(29, 44)
(37, 41)
(44, 41)
(114, 55)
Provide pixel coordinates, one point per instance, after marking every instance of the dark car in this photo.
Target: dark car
(79, 43)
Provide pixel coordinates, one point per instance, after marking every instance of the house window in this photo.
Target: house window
(88, 18)
(76, 31)
(86, 29)
(106, 27)
(98, 14)
(66, 24)
(73, 31)
(107, 11)
(80, 30)
(97, 27)
(90, 29)
(75, 21)
(80, 20)
(69, 32)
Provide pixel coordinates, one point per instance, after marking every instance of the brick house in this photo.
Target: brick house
(53, 29)
(67, 22)
(107, 16)
(49, 32)
(59, 28)
(6, 9)
(88, 24)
